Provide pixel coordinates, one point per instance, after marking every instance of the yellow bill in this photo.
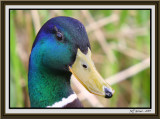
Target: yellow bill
(84, 70)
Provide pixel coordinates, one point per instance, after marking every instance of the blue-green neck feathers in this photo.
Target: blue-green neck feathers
(47, 87)
(54, 49)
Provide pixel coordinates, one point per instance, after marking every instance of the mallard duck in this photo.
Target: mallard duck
(62, 48)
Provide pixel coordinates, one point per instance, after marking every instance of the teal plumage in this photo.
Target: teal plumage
(62, 48)
(49, 77)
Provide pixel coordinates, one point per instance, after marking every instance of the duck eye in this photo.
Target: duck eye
(59, 36)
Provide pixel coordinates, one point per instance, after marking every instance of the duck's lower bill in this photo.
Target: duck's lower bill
(84, 71)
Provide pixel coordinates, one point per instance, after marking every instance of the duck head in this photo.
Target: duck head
(62, 49)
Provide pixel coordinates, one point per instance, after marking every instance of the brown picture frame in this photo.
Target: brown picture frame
(157, 38)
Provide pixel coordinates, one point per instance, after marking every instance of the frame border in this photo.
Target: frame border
(4, 3)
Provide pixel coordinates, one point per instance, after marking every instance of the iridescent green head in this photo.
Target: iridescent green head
(60, 47)
(57, 42)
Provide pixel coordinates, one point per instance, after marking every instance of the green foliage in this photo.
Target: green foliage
(123, 17)
(16, 96)
(142, 16)
(68, 12)
(44, 16)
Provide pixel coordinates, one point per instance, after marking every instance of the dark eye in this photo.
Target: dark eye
(59, 36)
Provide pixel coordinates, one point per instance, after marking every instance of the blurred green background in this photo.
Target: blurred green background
(120, 43)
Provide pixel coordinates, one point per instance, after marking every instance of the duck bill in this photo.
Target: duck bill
(84, 71)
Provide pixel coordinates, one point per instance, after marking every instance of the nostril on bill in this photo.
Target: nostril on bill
(108, 93)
